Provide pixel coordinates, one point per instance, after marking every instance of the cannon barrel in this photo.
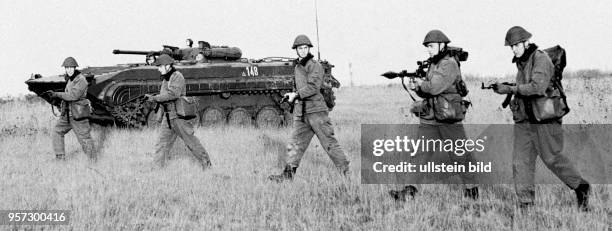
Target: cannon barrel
(128, 52)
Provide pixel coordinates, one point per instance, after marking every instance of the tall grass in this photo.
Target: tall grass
(125, 190)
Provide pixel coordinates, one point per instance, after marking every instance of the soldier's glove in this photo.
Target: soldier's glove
(291, 96)
(504, 89)
(149, 98)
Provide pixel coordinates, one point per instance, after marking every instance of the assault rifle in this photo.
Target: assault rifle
(495, 86)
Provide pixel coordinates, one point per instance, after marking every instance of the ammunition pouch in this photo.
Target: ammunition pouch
(328, 97)
(80, 109)
(462, 89)
(518, 108)
(186, 107)
(422, 109)
(553, 106)
(449, 108)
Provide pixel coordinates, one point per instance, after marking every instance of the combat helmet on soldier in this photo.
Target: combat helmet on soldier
(435, 36)
(203, 45)
(163, 59)
(301, 40)
(70, 62)
(515, 35)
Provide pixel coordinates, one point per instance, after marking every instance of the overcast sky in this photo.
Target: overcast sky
(374, 35)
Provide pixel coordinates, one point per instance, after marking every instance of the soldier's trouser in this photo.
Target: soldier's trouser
(319, 124)
(545, 140)
(184, 129)
(443, 132)
(82, 130)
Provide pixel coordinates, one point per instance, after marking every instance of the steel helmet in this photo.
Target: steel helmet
(515, 35)
(70, 62)
(204, 44)
(435, 36)
(163, 59)
(301, 40)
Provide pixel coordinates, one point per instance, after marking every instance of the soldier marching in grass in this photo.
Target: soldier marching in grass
(74, 112)
(443, 80)
(173, 87)
(310, 115)
(532, 135)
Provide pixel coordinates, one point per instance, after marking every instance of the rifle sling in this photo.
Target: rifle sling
(166, 114)
(405, 88)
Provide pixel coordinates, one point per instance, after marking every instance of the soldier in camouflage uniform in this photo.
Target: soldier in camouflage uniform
(75, 92)
(310, 115)
(532, 137)
(173, 87)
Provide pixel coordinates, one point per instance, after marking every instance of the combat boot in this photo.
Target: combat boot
(471, 193)
(582, 195)
(344, 170)
(400, 195)
(90, 151)
(525, 207)
(287, 174)
(206, 164)
(93, 158)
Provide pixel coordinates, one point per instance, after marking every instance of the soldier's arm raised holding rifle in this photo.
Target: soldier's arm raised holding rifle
(538, 106)
(438, 81)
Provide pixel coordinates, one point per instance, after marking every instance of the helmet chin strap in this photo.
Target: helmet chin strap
(439, 48)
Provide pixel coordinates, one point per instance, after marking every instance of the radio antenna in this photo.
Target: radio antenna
(317, 24)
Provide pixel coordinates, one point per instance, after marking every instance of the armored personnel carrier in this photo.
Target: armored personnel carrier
(229, 88)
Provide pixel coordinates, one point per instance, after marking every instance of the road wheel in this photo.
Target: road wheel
(212, 116)
(240, 117)
(268, 117)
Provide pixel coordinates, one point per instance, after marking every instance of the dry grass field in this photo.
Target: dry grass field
(125, 190)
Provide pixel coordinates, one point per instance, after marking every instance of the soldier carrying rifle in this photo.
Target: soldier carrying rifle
(310, 114)
(441, 85)
(75, 114)
(537, 129)
(173, 88)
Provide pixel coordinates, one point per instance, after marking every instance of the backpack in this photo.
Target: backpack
(450, 108)
(558, 57)
(553, 106)
(460, 55)
(329, 82)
